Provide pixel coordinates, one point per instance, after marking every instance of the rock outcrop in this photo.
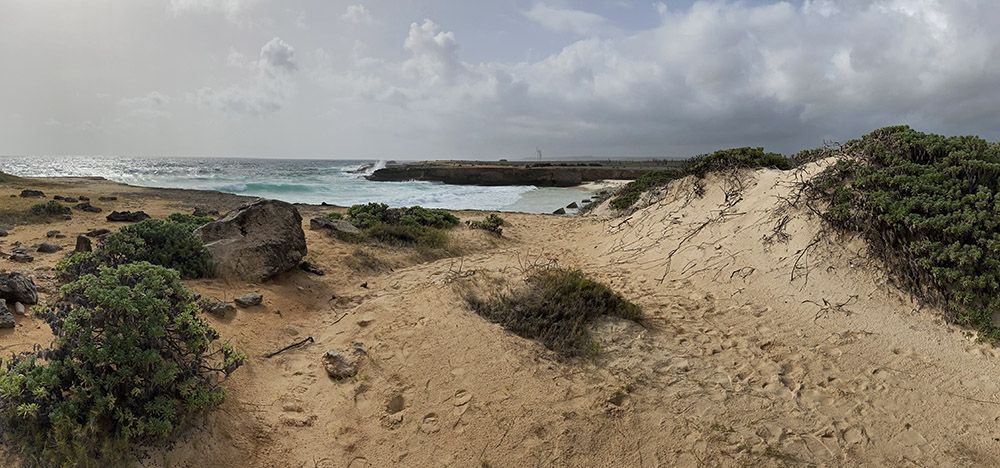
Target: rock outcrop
(29, 193)
(256, 241)
(127, 216)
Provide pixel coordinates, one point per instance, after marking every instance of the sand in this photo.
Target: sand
(762, 350)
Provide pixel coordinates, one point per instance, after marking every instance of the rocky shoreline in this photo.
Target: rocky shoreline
(539, 174)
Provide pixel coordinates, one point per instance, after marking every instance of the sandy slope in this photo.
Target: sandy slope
(758, 353)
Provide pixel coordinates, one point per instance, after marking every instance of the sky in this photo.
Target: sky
(407, 79)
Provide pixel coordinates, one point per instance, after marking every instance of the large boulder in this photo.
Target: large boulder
(256, 241)
(15, 287)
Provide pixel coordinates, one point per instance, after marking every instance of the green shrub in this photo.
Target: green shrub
(165, 243)
(630, 193)
(368, 215)
(130, 364)
(738, 158)
(927, 206)
(555, 307)
(413, 226)
(493, 223)
(334, 216)
(192, 222)
(407, 234)
(50, 208)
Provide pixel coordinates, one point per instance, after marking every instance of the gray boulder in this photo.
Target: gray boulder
(47, 247)
(256, 241)
(15, 287)
(6, 318)
(334, 226)
(29, 193)
(249, 300)
(127, 216)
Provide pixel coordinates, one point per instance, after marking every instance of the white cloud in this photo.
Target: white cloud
(150, 106)
(266, 92)
(566, 20)
(358, 14)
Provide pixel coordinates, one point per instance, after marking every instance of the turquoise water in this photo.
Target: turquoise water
(337, 182)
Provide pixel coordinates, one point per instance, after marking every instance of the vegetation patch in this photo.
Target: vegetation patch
(165, 243)
(719, 161)
(131, 364)
(493, 224)
(555, 307)
(190, 221)
(927, 205)
(366, 261)
(50, 208)
(412, 226)
(630, 193)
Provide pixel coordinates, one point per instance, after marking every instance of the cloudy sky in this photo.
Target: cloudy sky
(497, 78)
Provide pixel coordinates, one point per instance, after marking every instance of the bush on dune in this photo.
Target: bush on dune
(927, 206)
(555, 306)
(414, 225)
(493, 223)
(192, 222)
(50, 208)
(165, 243)
(130, 364)
(701, 166)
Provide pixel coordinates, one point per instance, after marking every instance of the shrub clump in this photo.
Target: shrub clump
(493, 224)
(926, 205)
(738, 158)
(165, 243)
(555, 306)
(50, 208)
(723, 160)
(130, 364)
(190, 221)
(626, 196)
(414, 225)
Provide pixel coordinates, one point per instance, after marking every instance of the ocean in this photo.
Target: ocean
(337, 182)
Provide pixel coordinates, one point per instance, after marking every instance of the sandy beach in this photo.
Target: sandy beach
(766, 345)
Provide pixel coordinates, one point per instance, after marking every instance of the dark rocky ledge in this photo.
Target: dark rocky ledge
(540, 174)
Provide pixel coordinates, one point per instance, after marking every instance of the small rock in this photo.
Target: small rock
(59, 198)
(311, 268)
(6, 318)
(335, 226)
(127, 216)
(83, 198)
(70, 200)
(107, 198)
(21, 255)
(46, 247)
(587, 200)
(19, 308)
(339, 366)
(29, 193)
(560, 211)
(218, 308)
(97, 232)
(572, 205)
(52, 234)
(3, 233)
(86, 206)
(83, 244)
(16, 287)
(199, 211)
(249, 300)
(364, 285)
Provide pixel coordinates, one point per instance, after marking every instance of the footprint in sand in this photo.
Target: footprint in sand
(462, 397)
(430, 425)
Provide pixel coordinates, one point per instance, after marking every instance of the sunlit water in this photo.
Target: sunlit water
(337, 182)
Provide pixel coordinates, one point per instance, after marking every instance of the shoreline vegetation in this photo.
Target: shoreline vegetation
(744, 307)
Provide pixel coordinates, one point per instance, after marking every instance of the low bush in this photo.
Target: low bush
(131, 363)
(50, 208)
(165, 243)
(926, 205)
(412, 226)
(192, 222)
(555, 306)
(371, 214)
(630, 193)
(738, 158)
(493, 224)
(334, 216)
(365, 261)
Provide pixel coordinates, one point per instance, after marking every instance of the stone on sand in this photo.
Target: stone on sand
(256, 241)
(16, 287)
(249, 300)
(6, 318)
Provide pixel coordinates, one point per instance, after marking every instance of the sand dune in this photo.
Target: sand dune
(765, 348)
